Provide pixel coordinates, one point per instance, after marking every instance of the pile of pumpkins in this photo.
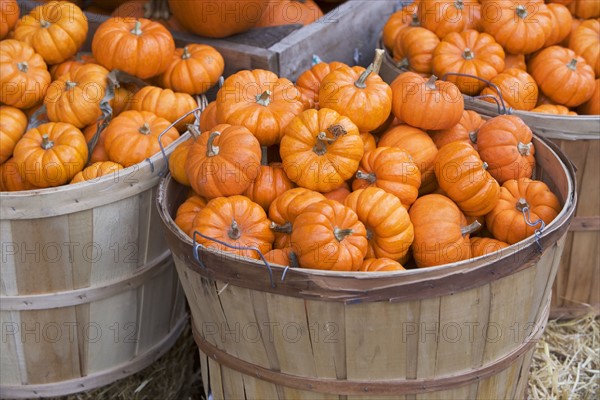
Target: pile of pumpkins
(341, 171)
(541, 57)
(68, 95)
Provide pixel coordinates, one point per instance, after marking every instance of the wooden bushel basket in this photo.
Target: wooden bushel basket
(461, 331)
(576, 290)
(88, 291)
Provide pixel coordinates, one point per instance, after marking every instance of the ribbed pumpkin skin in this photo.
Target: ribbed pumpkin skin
(9, 15)
(13, 123)
(484, 246)
(447, 16)
(389, 229)
(270, 182)
(592, 106)
(405, 17)
(506, 221)
(585, 41)
(309, 82)
(286, 12)
(465, 131)
(553, 109)
(518, 89)
(380, 265)
(24, 76)
(164, 103)
(97, 170)
(414, 48)
(187, 211)
(208, 117)
(12, 177)
(318, 235)
(561, 24)
(438, 238)
(235, 220)
(140, 47)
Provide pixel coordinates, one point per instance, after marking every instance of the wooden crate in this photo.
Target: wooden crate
(460, 331)
(350, 29)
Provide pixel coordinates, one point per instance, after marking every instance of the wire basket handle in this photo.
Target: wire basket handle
(502, 109)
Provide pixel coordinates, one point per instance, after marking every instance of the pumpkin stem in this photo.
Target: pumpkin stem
(521, 11)
(264, 99)
(23, 66)
(522, 204)
(322, 139)
(415, 20)
(473, 136)
(472, 227)
(285, 228)
(137, 29)
(374, 67)
(264, 155)
(370, 177)
(186, 53)
(572, 65)
(524, 149)
(468, 54)
(70, 85)
(44, 23)
(145, 129)
(369, 234)
(340, 234)
(46, 142)
(294, 263)
(459, 4)
(430, 84)
(404, 63)
(194, 131)
(485, 165)
(234, 231)
(211, 149)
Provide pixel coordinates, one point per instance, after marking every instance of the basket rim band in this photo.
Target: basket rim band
(381, 387)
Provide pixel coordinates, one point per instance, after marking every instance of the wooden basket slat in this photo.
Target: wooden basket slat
(216, 379)
(82, 316)
(79, 224)
(8, 277)
(12, 362)
(263, 319)
(233, 383)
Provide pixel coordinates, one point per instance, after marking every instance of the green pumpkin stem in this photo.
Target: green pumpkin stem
(47, 144)
(264, 99)
(145, 129)
(430, 84)
(285, 228)
(468, 54)
(211, 149)
(373, 68)
(23, 66)
(137, 29)
(234, 231)
(524, 149)
(370, 177)
(465, 230)
(522, 204)
(186, 53)
(572, 65)
(521, 11)
(340, 234)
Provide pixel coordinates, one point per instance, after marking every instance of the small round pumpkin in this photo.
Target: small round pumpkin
(9, 15)
(553, 109)
(320, 150)
(358, 93)
(389, 229)
(481, 246)
(215, 165)
(56, 30)
(13, 123)
(391, 169)
(309, 82)
(505, 143)
(468, 52)
(592, 106)
(369, 142)
(237, 221)
(519, 90)
(279, 256)
(441, 231)
(51, 154)
(132, 137)
(507, 222)
(585, 42)
(380, 265)
(447, 16)
(164, 103)
(415, 99)
(328, 235)
(287, 12)
(208, 117)
(194, 69)
(96, 170)
(465, 131)
(75, 97)
(187, 211)
(179, 155)
(12, 177)
(414, 48)
(70, 65)
(561, 20)
(284, 210)
(515, 61)
(555, 65)
(24, 76)
(140, 47)
(270, 182)
(421, 148)
(463, 177)
(585, 9)
(260, 101)
(405, 17)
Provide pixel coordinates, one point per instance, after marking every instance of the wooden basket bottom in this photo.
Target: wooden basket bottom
(97, 379)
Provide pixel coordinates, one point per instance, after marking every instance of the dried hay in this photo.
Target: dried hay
(566, 365)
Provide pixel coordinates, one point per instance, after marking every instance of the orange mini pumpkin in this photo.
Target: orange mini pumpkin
(237, 221)
(447, 16)
(507, 222)
(414, 48)
(132, 137)
(389, 229)
(9, 15)
(328, 235)
(465, 131)
(12, 177)
(380, 265)
(215, 165)
(592, 106)
(187, 211)
(179, 155)
(270, 182)
(505, 144)
(585, 42)
(518, 89)
(320, 150)
(96, 170)
(405, 17)
(51, 154)
(13, 123)
(309, 82)
(561, 20)
(553, 109)
(208, 117)
(484, 246)
(164, 103)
